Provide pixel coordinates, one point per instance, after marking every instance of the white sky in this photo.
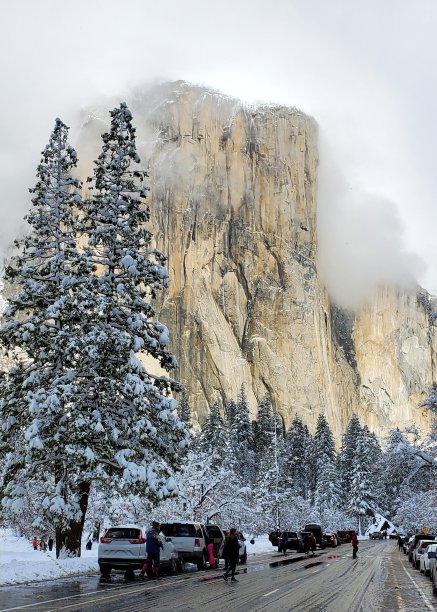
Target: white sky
(366, 70)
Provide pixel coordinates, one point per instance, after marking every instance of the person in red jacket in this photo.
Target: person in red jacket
(354, 542)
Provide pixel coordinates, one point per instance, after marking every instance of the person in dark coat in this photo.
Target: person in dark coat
(284, 543)
(312, 543)
(50, 543)
(354, 542)
(89, 544)
(154, 543)
(232, 552)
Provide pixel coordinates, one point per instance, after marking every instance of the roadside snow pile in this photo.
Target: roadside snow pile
(20, 563)
(262, 544)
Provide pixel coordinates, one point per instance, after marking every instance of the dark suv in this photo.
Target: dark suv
(317, 532)
(290, 540)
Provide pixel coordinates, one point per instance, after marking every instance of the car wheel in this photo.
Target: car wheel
(416, 565)
(129, 574)
(426, 572)
(105, 570)
(201, 563)
(180, 563)
(173, 566)
(243, 558)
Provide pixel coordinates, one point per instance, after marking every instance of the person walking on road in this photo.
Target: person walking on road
(354, 542)
(153, 549)
(312, 543)
(232, 552)
(35, 543)
(50, 543)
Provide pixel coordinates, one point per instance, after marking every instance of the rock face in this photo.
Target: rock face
(233, 202)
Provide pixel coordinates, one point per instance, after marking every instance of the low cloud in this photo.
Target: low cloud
(361, 238)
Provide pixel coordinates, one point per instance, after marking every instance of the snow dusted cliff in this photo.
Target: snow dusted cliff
(233, 201)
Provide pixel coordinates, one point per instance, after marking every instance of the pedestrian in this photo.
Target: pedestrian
(284, 543)
(354, 542)
(35, 543)
(400, 542)
(306, 543)
(232, 547)
(43, 545)
(312, 543)
(154, 544)
(50, 543)
(224, 553)
(89, 544)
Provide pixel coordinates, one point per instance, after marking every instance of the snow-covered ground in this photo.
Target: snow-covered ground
(19, 563)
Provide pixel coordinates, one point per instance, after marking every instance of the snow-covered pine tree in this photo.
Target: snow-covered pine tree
(241, 438)
(264, 428)
(184, 410)
(297, 451)
(361, 497)
(346, 457)
(41, 336)
(214, 438)
(326, 480)
(125, 432)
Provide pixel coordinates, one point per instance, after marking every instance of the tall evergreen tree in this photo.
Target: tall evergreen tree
(241, 440)
(42, 336)
(132, 434)
(346, 459)
(184, 410)
(214, 437)
(297, 450)
(265, 427)
(326, 482)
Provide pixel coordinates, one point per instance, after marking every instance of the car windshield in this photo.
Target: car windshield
(123, 533)
(179, 530)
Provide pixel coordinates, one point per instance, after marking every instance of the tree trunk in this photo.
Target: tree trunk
(75, 528)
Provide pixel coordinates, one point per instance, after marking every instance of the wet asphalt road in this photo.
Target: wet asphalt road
(381, 579)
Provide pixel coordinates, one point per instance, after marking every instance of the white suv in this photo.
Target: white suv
(123, 547)
(189, 540)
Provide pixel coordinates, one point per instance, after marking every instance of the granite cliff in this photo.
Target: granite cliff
(234, 206)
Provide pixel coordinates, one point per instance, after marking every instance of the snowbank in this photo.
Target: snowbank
(20, 563)
(262, 545)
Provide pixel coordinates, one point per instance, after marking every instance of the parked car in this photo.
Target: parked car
(123, 547)
(346, 535)
(189, 541)
(434, 582)
(429, 553)
(414, 541)
(418, 552)
(377, 535)
(330, 539)
(432, 567)
(317, 532)
(293, 541)
(243, 551)
(274, 537)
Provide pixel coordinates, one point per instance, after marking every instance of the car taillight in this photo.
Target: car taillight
(104, 540)
(139, 541)
(197, 542)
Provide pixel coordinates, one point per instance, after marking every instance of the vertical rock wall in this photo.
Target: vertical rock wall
(233, 201)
